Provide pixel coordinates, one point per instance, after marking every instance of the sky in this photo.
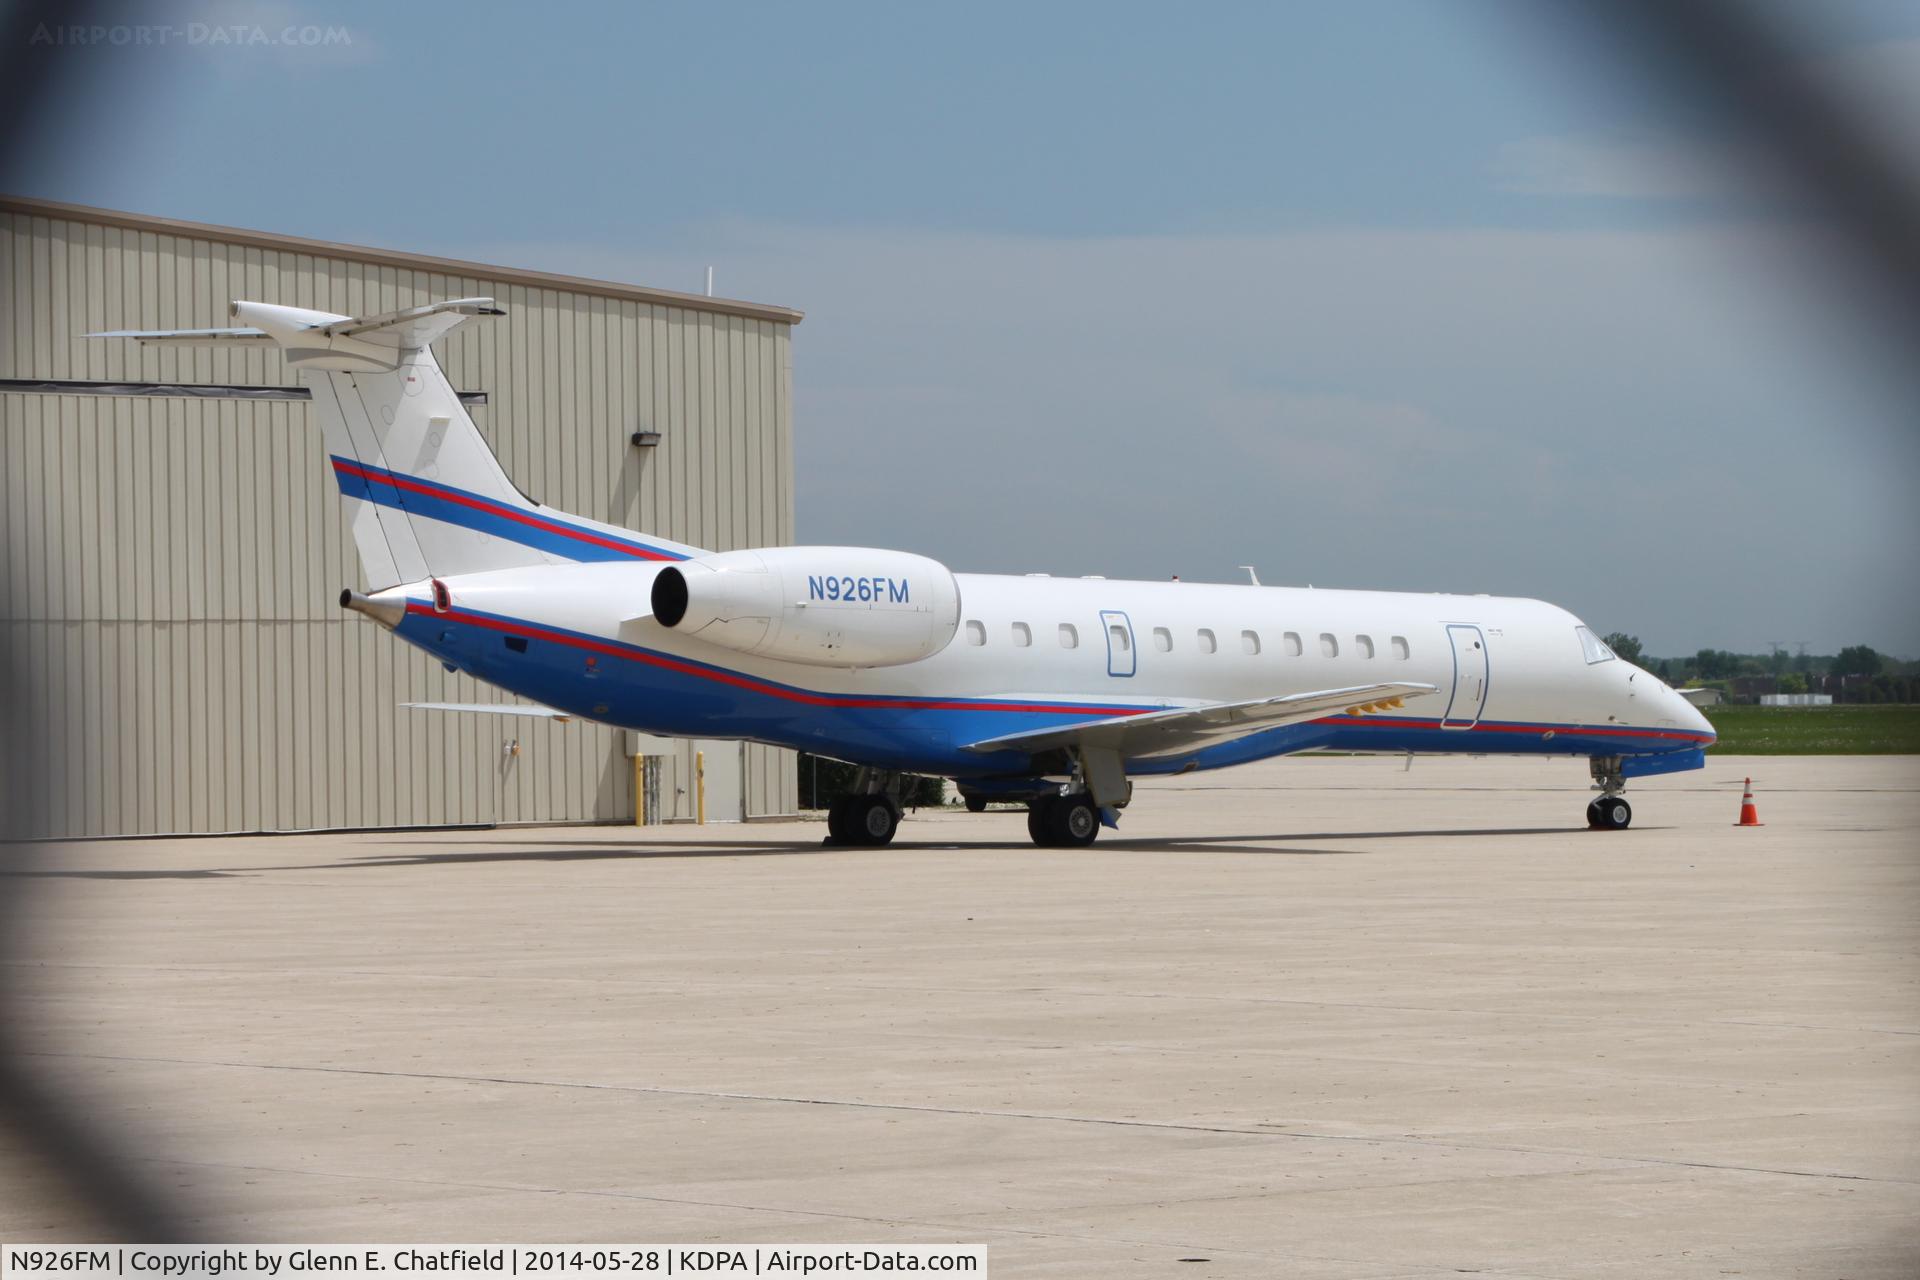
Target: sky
(1411, 296)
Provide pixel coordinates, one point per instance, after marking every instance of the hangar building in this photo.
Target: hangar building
(173, 561)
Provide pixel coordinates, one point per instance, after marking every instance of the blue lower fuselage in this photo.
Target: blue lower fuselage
(633, 687)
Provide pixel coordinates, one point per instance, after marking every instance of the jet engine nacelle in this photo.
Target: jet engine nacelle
(825, 606)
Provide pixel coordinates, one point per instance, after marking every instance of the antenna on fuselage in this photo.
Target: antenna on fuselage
(1252, 577)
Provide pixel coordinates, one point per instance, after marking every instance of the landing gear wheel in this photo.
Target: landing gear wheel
(976, 804)
(874, 820)
(1039, 821)
(1609, 813)
(839, 820)
(1073, 821)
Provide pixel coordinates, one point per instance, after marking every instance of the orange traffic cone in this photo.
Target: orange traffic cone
(1749, 816)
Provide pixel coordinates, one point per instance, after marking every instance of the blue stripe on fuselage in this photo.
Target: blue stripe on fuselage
(653, 691)
(532, 527)
(658, 692)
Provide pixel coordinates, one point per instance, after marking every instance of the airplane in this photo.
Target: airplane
(1052, 692)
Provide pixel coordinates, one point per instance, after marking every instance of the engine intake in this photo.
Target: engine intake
(823, 606)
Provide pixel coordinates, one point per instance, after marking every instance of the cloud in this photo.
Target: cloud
(1659, 171)
(1616, 421)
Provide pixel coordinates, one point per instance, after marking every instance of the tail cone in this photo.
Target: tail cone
(1749, 816)
(385, 607)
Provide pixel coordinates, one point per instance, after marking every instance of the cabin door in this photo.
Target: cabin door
(1469, 677)
(1120, 657)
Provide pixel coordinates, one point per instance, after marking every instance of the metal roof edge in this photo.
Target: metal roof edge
(392, 257)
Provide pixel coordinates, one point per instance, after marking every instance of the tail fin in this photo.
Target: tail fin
(426, 496)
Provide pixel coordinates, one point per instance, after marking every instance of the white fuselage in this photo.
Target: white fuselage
(1028, 648)
(890, 660)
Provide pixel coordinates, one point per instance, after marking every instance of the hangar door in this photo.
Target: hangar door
(723, 763)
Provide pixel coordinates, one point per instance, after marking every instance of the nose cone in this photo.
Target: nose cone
(1689, 718)
(1698, 722)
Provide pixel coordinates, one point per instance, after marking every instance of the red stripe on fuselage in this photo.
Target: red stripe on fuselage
(616, 650)
(1599, 731)
(493, 508)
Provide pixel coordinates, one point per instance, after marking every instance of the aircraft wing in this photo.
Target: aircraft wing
(1183, 729)
(495, 708)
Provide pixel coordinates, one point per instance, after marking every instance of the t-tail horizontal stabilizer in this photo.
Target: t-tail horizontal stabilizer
(426, 497)
(324, 339)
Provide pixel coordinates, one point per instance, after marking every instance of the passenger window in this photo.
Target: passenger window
(1363, 645)
(976, 632)
(1328, 645)
(1117, 637)
(1400, 650)
(1207, 642)
(1292, 639)
(1250, 641)
(1163, 639)
(1022, 634)
(1069, 638)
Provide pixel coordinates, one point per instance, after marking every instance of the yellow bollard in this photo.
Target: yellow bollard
(700, 788)
(639, 791)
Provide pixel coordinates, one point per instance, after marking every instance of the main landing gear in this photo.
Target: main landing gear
(1070, 816)
(868, 821)
(1610, 810)
(1063, 822)
(868, 817)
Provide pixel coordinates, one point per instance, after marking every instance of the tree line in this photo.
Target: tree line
(1858, 673)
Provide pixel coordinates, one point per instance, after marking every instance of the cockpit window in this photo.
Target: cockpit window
(1591, 644)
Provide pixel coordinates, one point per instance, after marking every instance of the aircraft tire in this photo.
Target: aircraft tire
(874, 820)
(976, 804)
(1039, 828)
(1612, 814)
(1073, 822)
(839, 820)
(1593, 814)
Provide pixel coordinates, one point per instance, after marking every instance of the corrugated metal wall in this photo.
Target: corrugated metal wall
(172, 565)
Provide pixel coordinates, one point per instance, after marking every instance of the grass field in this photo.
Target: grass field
(1810, 731)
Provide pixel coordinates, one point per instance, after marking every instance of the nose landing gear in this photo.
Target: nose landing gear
(1610, 811)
